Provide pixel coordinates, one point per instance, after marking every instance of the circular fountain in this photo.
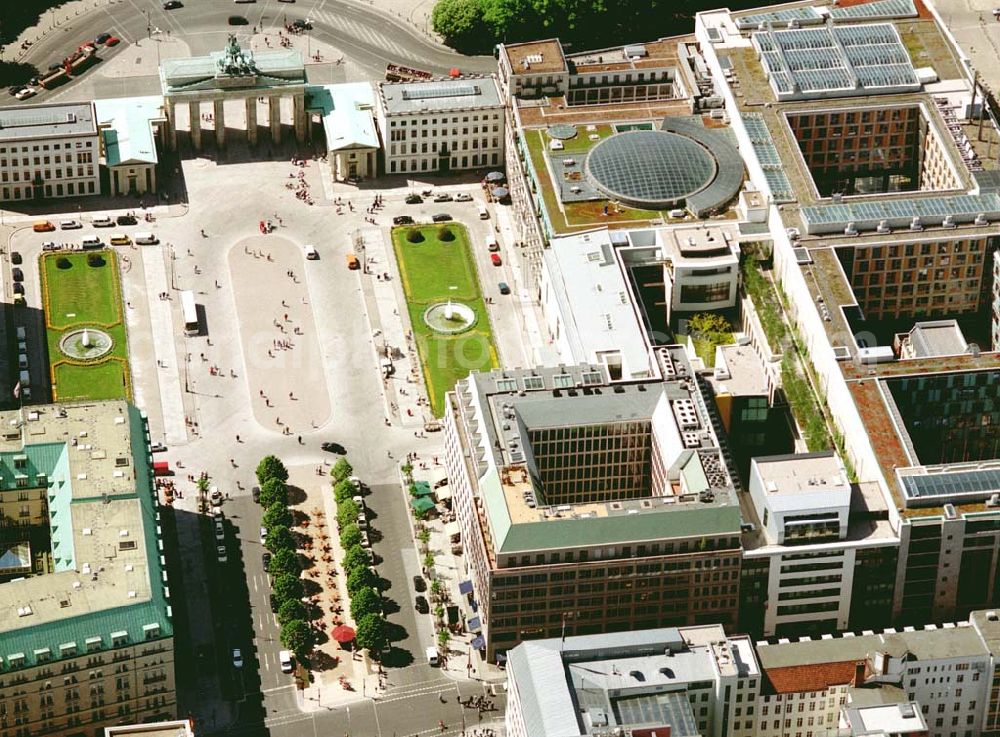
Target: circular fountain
(449, 317)
(86, 344)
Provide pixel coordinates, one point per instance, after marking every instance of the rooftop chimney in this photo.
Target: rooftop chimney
(859, 674)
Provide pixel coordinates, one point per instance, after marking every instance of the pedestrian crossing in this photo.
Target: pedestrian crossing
(362, 33)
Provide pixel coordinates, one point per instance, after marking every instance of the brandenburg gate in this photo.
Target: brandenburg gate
(234, 74)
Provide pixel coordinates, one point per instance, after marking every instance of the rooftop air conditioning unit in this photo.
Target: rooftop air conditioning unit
(850, 229)
(915, 223)
(883, 226)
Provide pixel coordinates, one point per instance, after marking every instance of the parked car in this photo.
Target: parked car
(413, 199)
(70, 225)
(493, 246)
(220, 530)
(113, 41)
(285, 657)
(504, 287)
(237, 658)
(463, 197)
(311, 253)
(126, 220)
(173, 5)
(216, 496)
(42, 226)
(17, 274)
(337, 448)
(220, 551)
(18, 288)
(421, 605)
(102, 38)
(265, 558)
(402, 220)
(443, 197)
(102, 221)
(26, 93)
(15, 257)
(238, 20)
(157, 447)
(120, 239)
(441, 217)
(495, 258)
(15, 89)
(263, 535)
(419, 583)
(256, 494)
(50, 246)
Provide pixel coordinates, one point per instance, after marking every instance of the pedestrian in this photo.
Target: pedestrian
(300, 440)
(238, 439)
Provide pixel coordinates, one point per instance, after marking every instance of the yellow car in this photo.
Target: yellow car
(121, 240)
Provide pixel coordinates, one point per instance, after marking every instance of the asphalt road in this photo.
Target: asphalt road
(369, 38)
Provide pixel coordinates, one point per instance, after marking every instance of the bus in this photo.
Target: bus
(190, 311)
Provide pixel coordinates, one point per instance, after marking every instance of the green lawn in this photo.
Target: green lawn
(434, 271)
(85, 296)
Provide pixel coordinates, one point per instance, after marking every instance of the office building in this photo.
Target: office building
(50, 150)
(882, 221)
(660, 682)
(86, 636)
(441, 125)
(589, 506)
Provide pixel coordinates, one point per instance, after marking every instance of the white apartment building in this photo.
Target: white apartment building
(49, 150)
(807, 684)
(441, 125)
(803, 553)
(687, 682)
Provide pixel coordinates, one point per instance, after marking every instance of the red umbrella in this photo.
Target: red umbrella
(455, 72)
(343, 633)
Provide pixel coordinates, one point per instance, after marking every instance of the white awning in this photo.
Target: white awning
(452, 530)
(443, 493)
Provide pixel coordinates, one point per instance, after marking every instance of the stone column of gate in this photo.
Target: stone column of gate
(194, 113)
(251, 105)
(299, 116)
(170, 137)
(274, 117)
(220, 123)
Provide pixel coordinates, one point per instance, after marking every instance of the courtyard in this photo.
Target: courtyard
(85, 331)
(446, 309)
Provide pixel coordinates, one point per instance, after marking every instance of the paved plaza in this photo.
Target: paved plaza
(310, 335)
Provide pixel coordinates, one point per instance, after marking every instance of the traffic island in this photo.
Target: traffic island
(450, 324)
(85, 326)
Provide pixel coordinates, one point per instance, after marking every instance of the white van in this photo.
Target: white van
(22, 361)
(311, 253)
(484, 214)
(432, 657)
(21, 332)
(25, 379)
(285, 658)
(491, 243)
(146, 239)
(92, 241)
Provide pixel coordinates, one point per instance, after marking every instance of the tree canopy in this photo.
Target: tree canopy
(284, 561)
(356, 557)
(347, 512)
(291, 609)
(365, 601)
(358, 579)
(343, 490)
(271, 467)
(298, 637)
(286, 587)
(273, 491)
(279, 538)
(341, 469)
(370, 633)
(474, 26)
(276, 515)
(350, 535)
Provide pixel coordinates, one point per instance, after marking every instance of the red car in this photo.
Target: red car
(113, 41)
(495, 258)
